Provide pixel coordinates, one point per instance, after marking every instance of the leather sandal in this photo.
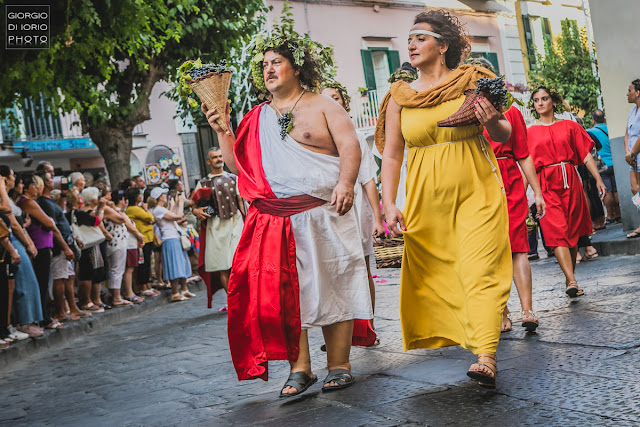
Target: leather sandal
(300, 381)
(484, 372)
(510, 324)
(573, 290)
(530, 325)
(342, 378)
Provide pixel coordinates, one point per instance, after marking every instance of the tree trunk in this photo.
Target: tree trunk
(114, 144)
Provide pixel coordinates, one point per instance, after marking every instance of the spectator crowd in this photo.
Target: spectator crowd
(72, 247)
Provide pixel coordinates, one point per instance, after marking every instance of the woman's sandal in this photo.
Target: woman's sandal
(300, 381)
(510, 324)
(342, 378)
(530, 325)
(484, 372)
(573, 290)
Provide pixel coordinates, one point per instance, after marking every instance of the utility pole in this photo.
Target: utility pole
(587, 15)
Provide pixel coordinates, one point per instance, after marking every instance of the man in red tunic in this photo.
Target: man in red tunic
(299, 263)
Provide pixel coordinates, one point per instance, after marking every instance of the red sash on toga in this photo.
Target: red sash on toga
(263, 299)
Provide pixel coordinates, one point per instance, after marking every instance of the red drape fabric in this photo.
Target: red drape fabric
(507, 153)
(567, 215)
(263, 299)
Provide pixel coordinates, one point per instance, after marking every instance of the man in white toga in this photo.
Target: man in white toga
(299, 263)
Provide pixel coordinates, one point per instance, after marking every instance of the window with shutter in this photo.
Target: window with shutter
(367, 65)
(528, 38)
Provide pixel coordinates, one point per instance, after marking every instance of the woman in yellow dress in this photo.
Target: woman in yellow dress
(456, 269)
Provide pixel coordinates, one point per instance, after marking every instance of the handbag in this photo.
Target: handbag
(636, 200)
(89, 235)
(75, 248)
(600, 164)
(185, 241)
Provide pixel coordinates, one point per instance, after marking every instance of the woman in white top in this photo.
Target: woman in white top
(175, 261)
(632, 142)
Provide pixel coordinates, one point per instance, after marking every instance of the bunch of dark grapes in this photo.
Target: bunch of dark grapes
(493, 89)
(195, 73)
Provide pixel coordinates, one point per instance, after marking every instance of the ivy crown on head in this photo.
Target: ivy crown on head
(334, 84)
(557, 95)
(283, 36)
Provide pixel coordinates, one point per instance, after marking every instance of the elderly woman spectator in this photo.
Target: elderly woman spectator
(175, 261)
(42, 231)
(91, 267)
(26, 295)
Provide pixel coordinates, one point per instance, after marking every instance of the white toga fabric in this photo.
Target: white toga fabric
(361, 206)
(330, 261)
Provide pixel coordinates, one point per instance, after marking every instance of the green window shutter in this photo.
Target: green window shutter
(546, 29)
(528, 38)
(367, 65)
(493, 58)
(393, 56)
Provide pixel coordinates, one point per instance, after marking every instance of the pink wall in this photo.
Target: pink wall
(161, 129)
(344, 27)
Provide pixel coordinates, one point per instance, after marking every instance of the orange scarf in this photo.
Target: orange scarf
(453, 87)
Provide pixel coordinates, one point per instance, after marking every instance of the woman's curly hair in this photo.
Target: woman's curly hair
(556, 97)
(452, 31)
(636, 84)
(310, 74)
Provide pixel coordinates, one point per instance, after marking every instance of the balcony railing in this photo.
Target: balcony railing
(45, 132)
(364, 109)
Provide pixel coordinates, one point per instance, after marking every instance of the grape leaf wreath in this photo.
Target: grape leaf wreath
(302, 48)
(331, 82)
(557, 95)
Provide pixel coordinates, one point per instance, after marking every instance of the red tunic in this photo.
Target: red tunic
(567, 216)
(507, 154)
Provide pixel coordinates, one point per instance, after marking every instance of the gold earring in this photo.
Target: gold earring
(442, 58)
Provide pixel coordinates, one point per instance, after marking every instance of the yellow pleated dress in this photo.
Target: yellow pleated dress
(457, 268)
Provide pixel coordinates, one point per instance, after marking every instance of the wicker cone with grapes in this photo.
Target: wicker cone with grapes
(493, 90)
(211, 83)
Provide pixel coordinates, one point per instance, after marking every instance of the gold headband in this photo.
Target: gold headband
(425, 32)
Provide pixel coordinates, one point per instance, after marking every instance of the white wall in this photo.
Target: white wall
(615, 33)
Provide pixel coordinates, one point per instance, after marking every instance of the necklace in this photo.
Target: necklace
(285, 121)
(437, 82)
(548, 124)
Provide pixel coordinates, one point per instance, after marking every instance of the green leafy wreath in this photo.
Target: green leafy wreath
(283, 35)
(557, 95)
(331, 82)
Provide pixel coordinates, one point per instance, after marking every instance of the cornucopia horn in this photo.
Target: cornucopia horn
(465, 115)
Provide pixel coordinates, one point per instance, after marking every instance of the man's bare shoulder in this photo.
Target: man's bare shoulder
(323, 102)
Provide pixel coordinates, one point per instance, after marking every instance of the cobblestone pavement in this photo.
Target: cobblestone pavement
(172, 366)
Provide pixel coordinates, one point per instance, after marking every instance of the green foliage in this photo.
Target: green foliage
(283, 35)
(567, 66)
(106, 55)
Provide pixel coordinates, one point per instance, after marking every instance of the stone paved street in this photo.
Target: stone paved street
(172, 366)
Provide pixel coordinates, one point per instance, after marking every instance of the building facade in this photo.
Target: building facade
(59, 140)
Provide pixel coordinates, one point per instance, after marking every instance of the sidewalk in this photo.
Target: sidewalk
(613, 241)
(54, 338)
